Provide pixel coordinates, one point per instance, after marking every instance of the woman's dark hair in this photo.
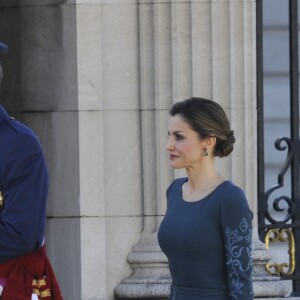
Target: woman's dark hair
(207, 118)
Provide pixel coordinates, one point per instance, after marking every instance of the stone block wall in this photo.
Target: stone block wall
(72, 76)
(95, 80)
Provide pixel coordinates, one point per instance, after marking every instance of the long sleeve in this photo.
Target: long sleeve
(236, 222)
(25, 188)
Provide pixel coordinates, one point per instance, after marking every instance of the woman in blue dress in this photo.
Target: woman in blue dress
(206, 231)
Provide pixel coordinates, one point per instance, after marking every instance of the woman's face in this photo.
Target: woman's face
(184, 145)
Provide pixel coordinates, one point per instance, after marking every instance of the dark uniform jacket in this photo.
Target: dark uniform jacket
(24, 186)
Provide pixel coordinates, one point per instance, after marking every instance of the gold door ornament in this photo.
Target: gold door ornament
(1, 199)
(281, 235)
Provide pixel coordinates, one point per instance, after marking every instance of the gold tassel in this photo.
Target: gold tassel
(1, 199)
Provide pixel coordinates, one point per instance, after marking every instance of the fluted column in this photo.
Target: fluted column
(194, 48)
(151, 278)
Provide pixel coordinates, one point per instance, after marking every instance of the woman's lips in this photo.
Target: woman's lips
(172, 156)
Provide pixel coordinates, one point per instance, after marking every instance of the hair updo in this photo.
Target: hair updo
(207, 118)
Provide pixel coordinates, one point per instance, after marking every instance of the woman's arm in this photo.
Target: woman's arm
(236, 222)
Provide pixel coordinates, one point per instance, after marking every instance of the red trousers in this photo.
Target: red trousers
(28, 274)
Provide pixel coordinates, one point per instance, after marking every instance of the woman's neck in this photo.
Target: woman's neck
(201, 182)
(203, 174)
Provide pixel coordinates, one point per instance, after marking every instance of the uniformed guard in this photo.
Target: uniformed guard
(25, 271)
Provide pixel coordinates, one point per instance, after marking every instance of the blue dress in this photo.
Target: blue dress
(208, 244)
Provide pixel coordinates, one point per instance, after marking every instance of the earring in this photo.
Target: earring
(205, 153)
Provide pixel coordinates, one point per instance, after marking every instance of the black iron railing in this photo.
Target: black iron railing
(287, 229)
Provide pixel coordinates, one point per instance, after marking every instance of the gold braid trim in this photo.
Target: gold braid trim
(45, 293)
(40, 284)
(36, 291)
(1, 199)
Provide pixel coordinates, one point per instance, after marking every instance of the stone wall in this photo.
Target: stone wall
(95, 80)
(77, 86)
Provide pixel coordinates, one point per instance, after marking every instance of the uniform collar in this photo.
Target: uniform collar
(3, 115)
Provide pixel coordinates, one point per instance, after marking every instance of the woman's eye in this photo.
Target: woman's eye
(179, 137)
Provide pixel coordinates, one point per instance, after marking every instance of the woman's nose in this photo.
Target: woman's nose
(170, 145)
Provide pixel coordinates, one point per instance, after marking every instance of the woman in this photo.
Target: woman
(206, 232)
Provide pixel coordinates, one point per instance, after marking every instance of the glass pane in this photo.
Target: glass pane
(276, 96)
(276, 109)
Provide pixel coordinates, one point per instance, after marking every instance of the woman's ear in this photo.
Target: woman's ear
(211, 141)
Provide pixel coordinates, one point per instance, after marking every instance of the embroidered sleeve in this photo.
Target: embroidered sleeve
(236, 219)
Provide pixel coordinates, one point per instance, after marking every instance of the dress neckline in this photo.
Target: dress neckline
(205, 197)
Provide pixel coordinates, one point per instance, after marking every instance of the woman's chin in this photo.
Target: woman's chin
(175, 166)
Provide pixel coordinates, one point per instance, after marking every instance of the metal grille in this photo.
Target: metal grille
(288, 227)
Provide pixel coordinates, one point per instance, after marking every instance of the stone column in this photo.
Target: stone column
(206, 49)
(150, 278)
(50, 108)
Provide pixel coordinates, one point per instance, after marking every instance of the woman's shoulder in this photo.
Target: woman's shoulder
(233, 196)
(176, 184)
(229, 188)
(180, 180)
